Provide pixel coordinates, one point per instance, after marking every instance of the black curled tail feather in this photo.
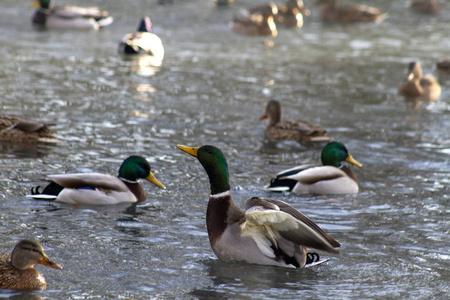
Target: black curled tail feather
(51, 189)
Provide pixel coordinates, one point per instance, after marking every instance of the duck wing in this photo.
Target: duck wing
(274, 223)
(93, 180)
(316, 174)
(281, 183)
(70, 11)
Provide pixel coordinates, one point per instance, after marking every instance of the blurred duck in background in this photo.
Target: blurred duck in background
(72, 17)
(18, 129)
(257, 21)
(350, 13)
(417, 85)
(425, 6)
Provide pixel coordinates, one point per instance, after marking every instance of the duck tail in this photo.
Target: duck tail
(50, 192)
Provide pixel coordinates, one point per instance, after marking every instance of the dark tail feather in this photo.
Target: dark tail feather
(52, 189)
(278, 183)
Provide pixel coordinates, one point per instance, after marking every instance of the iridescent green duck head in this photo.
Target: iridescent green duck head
(135, 167)
(215, 165)
(45, 4)
(334, 153)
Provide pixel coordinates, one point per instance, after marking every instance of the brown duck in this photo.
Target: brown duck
(278, 130)
(21, 130)
(291, 14)
(350, 13)
(417, 85)
(259, 21)
(17, 270)
(430, 7)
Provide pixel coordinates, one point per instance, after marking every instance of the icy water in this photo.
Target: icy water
(211, 89)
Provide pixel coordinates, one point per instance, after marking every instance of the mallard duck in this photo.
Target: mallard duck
(22, 130)
(268, 232)
(331, 178)
(279, 130)
(417, 85)
(17, 270)
(350, 13)
(291, 14)
(443, 66)
(143, 41)
(49, 16)
(96, 188)
(425, 6)
(258, 21)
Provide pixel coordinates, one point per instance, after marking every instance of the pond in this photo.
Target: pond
(211, 89)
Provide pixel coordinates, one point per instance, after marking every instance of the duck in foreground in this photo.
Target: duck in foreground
(301, 131)
(269, 232)
(49, 16)
(96, 188)
(417, 85)
(350, 13)
(22, 130)
(143, 41)
(17, 270)
(331, 178)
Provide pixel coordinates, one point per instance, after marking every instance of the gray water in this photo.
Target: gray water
(211, 89)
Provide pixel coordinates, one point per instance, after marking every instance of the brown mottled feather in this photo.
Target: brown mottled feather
(21, 130)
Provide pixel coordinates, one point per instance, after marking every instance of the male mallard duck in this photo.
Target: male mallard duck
(269, 232)
(68, 17)
(17, 270)
(331, 178)
(425, 6)
(21, 130)
(258, 21)
(279, 130)
(96, 188)
(143, 41)
(350, 13)
(417, 85)
(291, 14)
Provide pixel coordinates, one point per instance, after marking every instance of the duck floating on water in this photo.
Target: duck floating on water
(19, 129)
(50, 16)
(417, 85)
(97, 188)
(268, 232)
(430, 7)
(280, 130)
(143, 41)
(331, 178)
(350, 13)
(17, 269)
(257, 21)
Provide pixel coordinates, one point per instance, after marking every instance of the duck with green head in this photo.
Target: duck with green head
(97, 188)
(268, 232)
(331, 178)
(50, 16)
(17, 270)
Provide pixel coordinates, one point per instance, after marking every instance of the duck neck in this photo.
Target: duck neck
(221, 212)
(136, 189)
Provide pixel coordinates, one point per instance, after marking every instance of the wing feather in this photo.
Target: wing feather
(94, 180)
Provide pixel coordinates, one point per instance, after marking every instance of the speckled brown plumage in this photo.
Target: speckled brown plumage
(350, 13)
(21, 274)
(302, 131)
(21, 130)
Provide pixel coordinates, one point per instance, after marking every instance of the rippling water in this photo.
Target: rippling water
(211, 89)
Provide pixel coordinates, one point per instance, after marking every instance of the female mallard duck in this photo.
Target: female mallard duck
(331, 178)
(17, 270)
(96, 188)
(258, 21)
(443, 66)
(279, 130)
(269, 232)
(291, 14)
(21, 130)
(143, 41)
(425, 6)
(350, 13)
(68, 17)
(417, 85)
